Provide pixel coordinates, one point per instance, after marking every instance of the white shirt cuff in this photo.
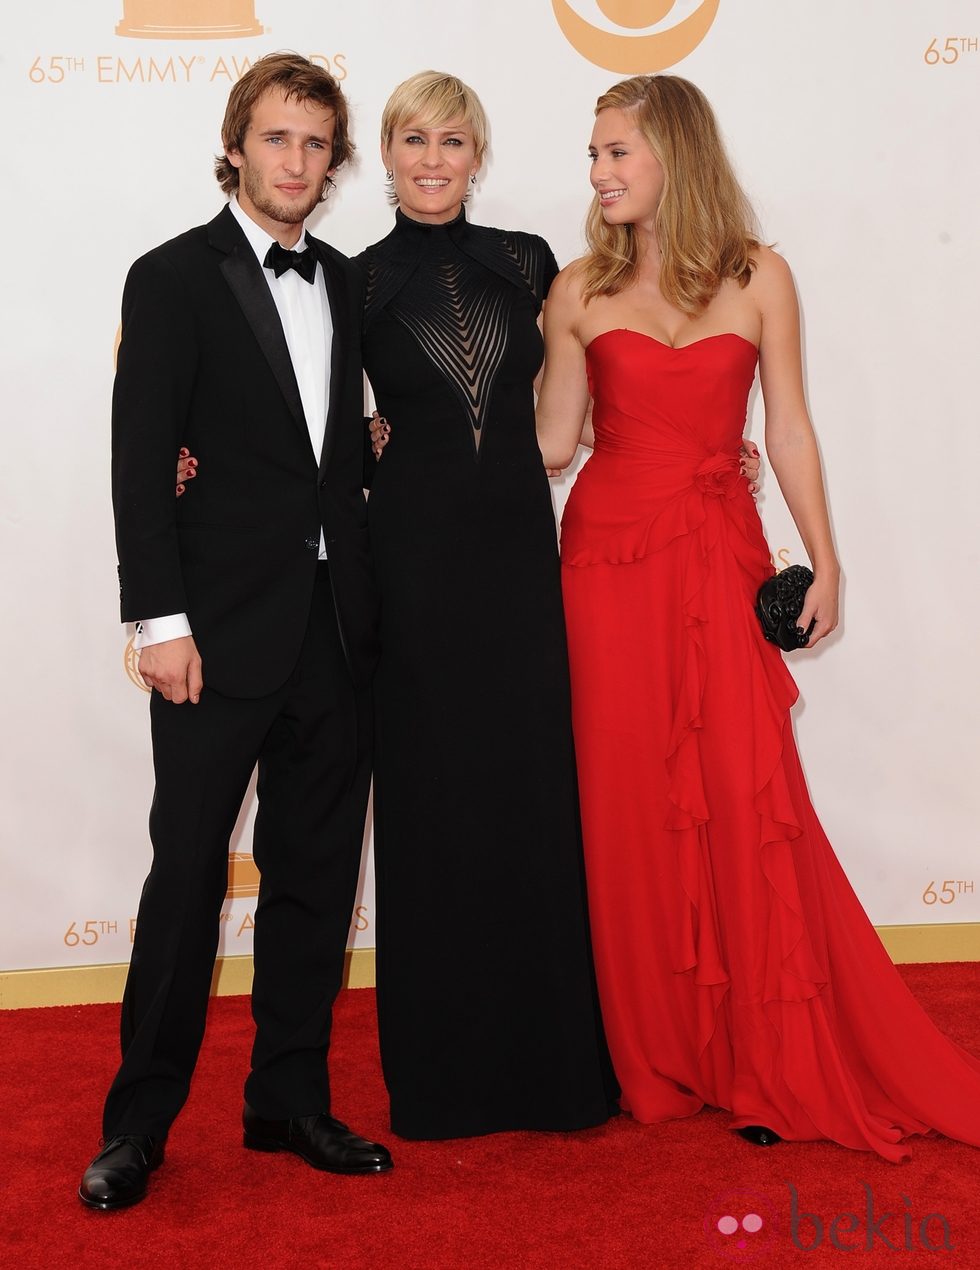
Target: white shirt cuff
(157, 630)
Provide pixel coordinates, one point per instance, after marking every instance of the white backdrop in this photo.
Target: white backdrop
(853, 127)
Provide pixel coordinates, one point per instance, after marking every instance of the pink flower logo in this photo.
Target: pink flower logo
(742, 1225)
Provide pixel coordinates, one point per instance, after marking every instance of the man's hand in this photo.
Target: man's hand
(173, 668)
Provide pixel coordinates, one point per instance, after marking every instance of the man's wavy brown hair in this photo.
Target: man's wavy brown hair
(297, 78)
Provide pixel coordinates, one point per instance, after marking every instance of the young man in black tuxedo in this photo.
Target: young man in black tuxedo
(240, 339)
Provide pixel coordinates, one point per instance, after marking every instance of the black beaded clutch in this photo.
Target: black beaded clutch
(779, 605)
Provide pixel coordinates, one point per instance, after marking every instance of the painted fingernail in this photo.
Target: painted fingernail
(184, 450)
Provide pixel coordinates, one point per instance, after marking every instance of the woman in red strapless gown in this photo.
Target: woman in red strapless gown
(736, 967)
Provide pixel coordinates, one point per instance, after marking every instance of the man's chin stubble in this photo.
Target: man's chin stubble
(282, 213)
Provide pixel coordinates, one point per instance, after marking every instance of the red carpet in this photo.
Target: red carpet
(619, 1197)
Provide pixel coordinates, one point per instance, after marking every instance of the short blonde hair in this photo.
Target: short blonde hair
(433, 98)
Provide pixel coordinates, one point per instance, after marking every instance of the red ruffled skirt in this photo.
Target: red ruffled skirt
(736, 966)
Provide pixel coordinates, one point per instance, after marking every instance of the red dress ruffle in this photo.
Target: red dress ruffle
(736, 966)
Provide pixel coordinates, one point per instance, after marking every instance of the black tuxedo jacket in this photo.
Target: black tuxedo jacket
(203, 362)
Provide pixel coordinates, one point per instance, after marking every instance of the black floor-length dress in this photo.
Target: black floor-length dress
(486, 998)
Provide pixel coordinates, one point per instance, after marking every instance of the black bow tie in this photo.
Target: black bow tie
(278, 259)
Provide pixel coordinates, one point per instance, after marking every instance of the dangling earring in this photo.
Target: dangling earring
(389, 176)
(472, 178)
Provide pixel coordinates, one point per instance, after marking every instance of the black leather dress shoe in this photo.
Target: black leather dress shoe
(321, 1141)
(759, 1135)
(118, 1175)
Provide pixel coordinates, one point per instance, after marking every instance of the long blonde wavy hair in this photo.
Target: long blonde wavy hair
(704, 224)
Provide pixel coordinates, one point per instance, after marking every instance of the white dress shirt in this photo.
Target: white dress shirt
(304, 312)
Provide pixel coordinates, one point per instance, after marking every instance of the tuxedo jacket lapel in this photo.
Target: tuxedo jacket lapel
(243, 273)
(337, 296)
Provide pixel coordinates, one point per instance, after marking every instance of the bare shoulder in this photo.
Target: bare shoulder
(570, 282)
(771, 275)
(565, 299)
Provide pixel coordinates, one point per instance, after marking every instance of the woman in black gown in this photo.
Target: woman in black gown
(486, 1000)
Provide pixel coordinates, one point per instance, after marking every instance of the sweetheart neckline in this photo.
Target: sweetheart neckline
(674, 348)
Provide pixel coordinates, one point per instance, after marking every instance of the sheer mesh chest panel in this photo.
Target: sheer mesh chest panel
(452, 286)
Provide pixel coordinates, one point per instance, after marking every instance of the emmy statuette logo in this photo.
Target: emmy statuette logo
(131, 663)
(188, 19)
(629, 53)
(184, 22)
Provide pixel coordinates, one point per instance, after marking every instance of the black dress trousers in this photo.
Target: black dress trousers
(311, 740)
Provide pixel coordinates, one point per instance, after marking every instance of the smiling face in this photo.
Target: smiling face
(431, 168)
(284, 163)
(626, 174)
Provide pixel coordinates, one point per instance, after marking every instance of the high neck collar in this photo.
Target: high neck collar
(454, 228)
